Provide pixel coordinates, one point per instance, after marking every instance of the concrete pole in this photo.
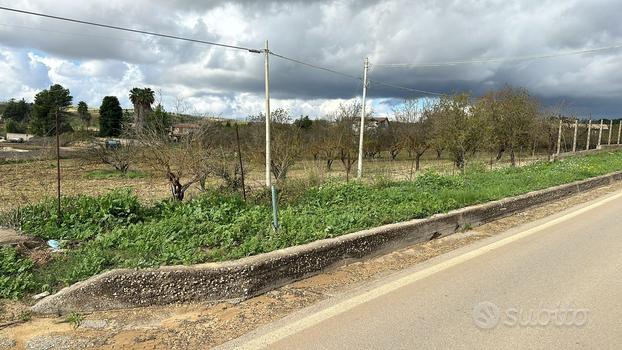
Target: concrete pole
(574, 138)
(267, 81)
(559, 137)
(600, 134)
(619, 130)
(362, 128)
(589, 133)
(610, 131)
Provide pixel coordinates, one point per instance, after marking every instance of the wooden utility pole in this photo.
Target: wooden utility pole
(574, 138)
(267, 81)
(559, 137)
(619, 130)
(362, 128)
(589, 133)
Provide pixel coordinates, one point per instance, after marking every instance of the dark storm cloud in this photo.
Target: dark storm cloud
(335, 34)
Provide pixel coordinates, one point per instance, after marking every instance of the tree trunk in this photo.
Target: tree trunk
(459, 161)
(512, 156)
(500, 152)
(178, 191)
(418, 161)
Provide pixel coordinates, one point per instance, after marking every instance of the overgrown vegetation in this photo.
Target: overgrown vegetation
(15, 273)
(116, 230)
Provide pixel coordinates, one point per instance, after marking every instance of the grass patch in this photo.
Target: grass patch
(117, 230)
(115, 174)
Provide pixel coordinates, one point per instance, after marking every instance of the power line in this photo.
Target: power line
(405, 88)
(350, 76)
(500, 59)
(130, 30)
(316, 66)
(67, 33)
(377, 82)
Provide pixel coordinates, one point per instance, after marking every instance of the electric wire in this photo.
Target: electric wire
(369, 81)
(108, 26)
(252, 50)
(500, 59)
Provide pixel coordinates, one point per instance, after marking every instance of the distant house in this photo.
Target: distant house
(178, 130)
(15, 137)
(380, 122)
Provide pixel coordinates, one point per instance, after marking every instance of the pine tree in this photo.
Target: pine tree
(48, 103)
(110, 117)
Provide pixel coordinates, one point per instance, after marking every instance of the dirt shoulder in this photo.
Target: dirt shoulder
(199, 326)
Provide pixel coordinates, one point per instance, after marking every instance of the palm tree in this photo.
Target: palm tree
(142, 99)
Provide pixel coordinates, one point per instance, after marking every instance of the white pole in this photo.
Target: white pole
(559, 137)
(600, 134)
(362, 128)
(589, 133)
(574, 138)
(610, 131)
(619, 130)
(267, 80)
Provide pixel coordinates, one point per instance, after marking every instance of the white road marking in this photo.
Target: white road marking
(272, 337)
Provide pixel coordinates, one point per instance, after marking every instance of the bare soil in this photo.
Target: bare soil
(200, 326)
(29, 177)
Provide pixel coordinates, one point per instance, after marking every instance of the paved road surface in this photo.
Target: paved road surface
(563, 269)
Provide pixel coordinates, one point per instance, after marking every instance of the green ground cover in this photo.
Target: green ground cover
(117, 230)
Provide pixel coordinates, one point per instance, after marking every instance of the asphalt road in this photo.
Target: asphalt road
(555, 283)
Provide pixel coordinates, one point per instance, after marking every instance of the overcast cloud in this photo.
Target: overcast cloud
(94, 62)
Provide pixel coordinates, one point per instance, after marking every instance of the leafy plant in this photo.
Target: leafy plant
(16, 276)
(74, 319)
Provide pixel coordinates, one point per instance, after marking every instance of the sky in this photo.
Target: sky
(207, 80)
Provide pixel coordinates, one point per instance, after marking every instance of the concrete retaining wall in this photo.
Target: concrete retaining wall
(247, 277)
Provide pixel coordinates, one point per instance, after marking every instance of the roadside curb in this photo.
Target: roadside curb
(251, 276)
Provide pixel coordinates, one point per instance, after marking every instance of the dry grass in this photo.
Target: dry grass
(32, 181)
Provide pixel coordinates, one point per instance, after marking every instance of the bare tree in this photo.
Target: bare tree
(183, 163)
(286, 142)
(221, 142)
(346, 131)
(119, 155)
(415, 125)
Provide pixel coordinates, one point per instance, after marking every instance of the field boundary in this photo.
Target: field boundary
(247, 277)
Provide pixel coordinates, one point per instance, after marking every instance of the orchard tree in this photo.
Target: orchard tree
(183, 163)
(414, 125)
(345, 137)
(512, 114)
(458, 128)
(110, 117)
(48, 104)
(286, 141)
